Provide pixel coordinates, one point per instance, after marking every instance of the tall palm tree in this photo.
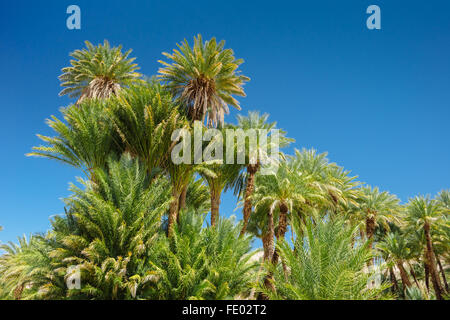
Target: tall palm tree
(180, 176)
(442, 243)
(396, 249)
(423, 213)
(377, 208)
(219, 177)
(285, 191)
(255, 121)
(337, 185)
(260, 227)
(204, 78)
(98, 72)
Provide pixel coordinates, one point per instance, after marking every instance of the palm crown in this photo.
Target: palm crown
(204, 78)
(98, 72)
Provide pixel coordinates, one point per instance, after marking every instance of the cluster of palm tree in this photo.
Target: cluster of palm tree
(136, 228)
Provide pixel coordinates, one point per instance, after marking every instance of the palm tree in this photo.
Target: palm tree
(260, 225)
(324, 265)
(219, 178)
(377, 208)
(423, 213)
(285, 191)
(145, 118)
(180, 176)
(204, 78)
(396, 249)
(338, 187)
(255, 121)
(84, 140)
(98, 72)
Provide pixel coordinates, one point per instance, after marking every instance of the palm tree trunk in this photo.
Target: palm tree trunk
(18, 292)
(432, 263)
(444, 278)
(250, 187)
(271, 233)
(268, 279)
(267, 245)
(215, 204)
(404, 276)
(411, 270)
(281, 231)
(370, 231)
(427, 275)
(173, 212)
(183, 194)
(393, 280)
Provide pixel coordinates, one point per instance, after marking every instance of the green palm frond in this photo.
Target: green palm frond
(84, 139)
(108, 232)
(324, 266)
(145, 117)
(202, 263)
(24, 267)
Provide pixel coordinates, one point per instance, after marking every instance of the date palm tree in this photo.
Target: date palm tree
(204, 78)
(256, 123)
(377, 208)
(285, 192)
(396, 249)
(98, 72)
(338, 187)
(442, 241)
(181, 176)
(219, 178)
(145, 118)
(422, 213)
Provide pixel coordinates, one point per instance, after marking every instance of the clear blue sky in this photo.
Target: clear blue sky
(377, 101)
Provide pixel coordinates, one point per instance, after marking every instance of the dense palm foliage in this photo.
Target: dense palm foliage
(136, 226)
(203, 263)
(23, 267)
(324, 265)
